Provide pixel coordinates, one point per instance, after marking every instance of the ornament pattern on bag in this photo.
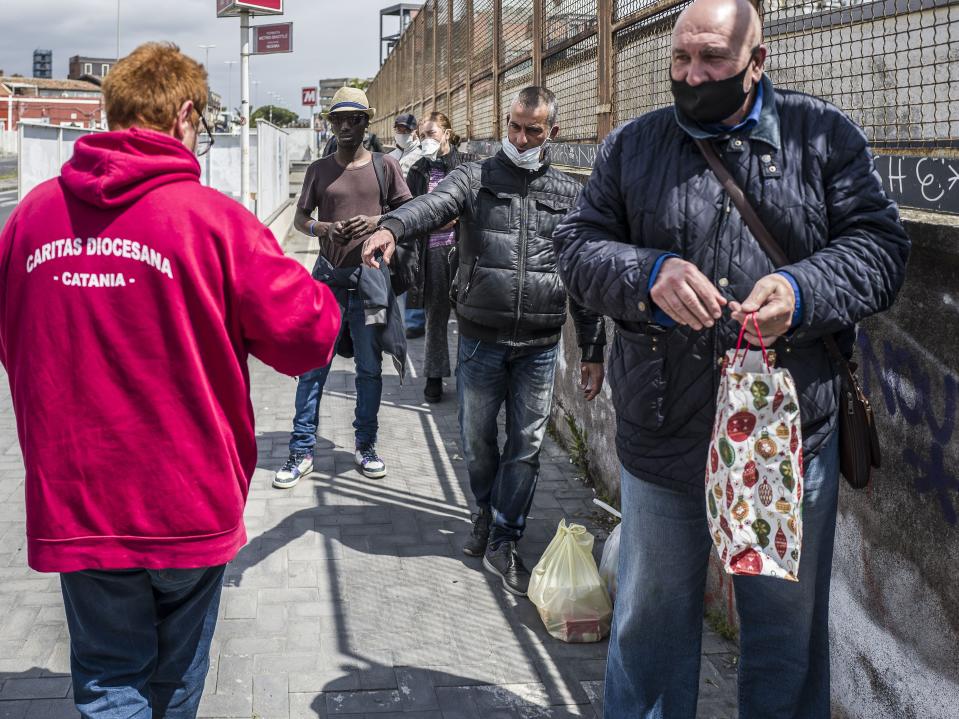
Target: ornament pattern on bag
(755, 469)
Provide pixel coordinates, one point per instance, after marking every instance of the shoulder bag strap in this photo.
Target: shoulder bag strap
(757, 227)
(380, 170)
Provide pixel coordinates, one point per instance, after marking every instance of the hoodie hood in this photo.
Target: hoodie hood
(114, 169)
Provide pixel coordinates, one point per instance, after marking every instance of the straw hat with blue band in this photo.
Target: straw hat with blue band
(350, 99)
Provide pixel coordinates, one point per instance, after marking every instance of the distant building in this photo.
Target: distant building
(43, 64)
(56, 102)
(91, 69)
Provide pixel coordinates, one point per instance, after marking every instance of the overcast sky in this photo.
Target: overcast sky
(331, 38)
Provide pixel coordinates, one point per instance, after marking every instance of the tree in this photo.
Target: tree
(279, 116)
(359, 83)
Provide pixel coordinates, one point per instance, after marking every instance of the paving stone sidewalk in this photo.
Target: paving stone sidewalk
(352, 597)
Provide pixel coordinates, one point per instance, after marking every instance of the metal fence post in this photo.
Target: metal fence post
(497, 42)
(449, 58)
(436, 78)
(537, 51)
(605, 70)
(468, 135)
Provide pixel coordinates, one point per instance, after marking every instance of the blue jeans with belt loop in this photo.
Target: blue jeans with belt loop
(656, 638)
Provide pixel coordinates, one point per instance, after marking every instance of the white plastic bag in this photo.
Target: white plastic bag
(567, 590)
(610, 561)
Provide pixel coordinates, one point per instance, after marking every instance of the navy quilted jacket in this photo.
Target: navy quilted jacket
(807, 170)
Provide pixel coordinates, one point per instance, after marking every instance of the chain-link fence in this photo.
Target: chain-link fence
(892, 65)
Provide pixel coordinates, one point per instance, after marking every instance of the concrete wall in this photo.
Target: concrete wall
(895, 607)
(302, 142)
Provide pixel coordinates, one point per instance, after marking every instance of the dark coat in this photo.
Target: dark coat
(807, 170)
(418, 180)
(506, 288)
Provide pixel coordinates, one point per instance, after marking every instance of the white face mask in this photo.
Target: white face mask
(430, 147)
(528, 160)
(402, 141)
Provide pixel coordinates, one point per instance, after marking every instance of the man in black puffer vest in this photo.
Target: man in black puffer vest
(656, 243)
(511, 306)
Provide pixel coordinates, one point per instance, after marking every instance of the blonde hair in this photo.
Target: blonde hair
(148, 87)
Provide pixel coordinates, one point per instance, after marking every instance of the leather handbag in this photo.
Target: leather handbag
(859, 451)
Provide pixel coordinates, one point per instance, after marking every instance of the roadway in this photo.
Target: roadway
(8, 194)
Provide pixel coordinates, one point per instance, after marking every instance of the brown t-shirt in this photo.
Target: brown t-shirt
(338, 193)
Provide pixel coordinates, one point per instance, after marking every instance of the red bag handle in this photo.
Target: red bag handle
(742, 333)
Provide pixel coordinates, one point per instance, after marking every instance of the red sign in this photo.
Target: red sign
(228, 8)
(268, 39)
(309, 96)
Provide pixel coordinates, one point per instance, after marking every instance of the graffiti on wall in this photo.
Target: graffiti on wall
(916, 392)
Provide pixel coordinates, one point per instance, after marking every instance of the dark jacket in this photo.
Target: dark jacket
(807, 170)
(418, 180)
(507, 289)
(373, 287)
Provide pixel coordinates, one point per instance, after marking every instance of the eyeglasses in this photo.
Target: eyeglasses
(351, 118)
(204, 142)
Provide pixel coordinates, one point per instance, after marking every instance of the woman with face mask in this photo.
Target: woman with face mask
(438, 144)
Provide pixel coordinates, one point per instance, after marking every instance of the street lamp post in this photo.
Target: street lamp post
(229, 89)
(206, 66)
(245, 108)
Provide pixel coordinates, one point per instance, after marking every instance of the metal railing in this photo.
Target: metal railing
(892, 65)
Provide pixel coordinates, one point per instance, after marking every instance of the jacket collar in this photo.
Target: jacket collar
(766, 130)
(531, 174)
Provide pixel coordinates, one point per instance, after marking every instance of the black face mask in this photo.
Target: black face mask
(713, 101)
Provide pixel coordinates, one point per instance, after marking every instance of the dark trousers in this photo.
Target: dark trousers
(140, 640)
(487, 375)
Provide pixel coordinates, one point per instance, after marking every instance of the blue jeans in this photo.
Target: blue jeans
(140, 640)
(369, 386)
(487, 374)
(654, 647)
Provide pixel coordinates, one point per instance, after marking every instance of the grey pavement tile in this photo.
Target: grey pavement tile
(35, 688)
(52, 709)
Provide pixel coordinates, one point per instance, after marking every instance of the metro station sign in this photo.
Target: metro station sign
(269, 39)
(309, 96)
(231, 8)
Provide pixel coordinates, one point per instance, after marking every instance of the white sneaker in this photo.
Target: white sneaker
(369, 462)
(298, 465)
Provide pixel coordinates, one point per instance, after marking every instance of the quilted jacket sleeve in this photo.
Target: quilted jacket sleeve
(605, 267)
(863, 267)
(590, 331)
(431, 211)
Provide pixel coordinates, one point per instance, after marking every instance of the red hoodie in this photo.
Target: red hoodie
(130, 298)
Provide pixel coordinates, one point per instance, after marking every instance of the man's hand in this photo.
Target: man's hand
(591, 379)
(773, 300)
(358, 226)
(380, 241)
(686, 294)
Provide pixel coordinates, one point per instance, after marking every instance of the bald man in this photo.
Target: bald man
(656, 243)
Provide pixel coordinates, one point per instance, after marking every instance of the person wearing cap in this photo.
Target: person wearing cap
(344, 191)
(408, 153)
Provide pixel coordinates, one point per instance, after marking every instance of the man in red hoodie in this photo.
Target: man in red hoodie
(130, 299)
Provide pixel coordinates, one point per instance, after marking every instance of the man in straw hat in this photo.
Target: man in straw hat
(348, 191)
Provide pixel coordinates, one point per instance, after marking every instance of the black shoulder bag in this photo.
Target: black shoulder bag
(859, 451)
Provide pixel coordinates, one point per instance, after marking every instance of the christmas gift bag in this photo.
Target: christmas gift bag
(566, 589)
(755, 467)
